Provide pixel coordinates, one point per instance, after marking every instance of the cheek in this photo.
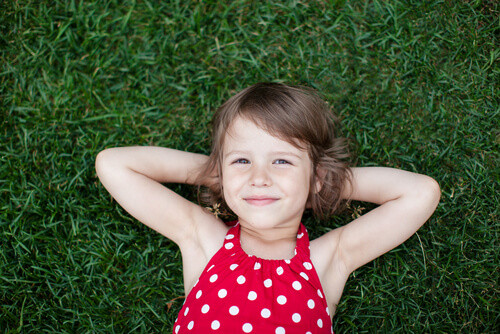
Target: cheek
(305, 185)
(228, 189)
(297, 185)
(229, 199)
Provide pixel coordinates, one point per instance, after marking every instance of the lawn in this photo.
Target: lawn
(416, 83)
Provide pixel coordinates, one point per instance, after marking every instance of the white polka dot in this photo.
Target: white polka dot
(296, 285)
(213, 278)
(281, 300)
(247, 328)
(233, 266)
(229, 236)
(296, 317)
(191, 325)
(268, 283)
(279, 270)
(198, 294)
(300, 235)
(320, 294)
(308, 265)
(252, 295)
(257, 266)
(205, 309)
(213, 265)
(280, 330)
(287, 261)
(177, 329)
(320, 323)
(265, 313)
(241, 279)
(295, 251)
(229, 245)
(186, 311)
(310, 304)
(215, 324)
(305, 276)
(327, 311)
(312, 333)
(222, 293)
(234, 310)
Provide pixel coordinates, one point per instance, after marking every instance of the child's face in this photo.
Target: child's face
(265, 180)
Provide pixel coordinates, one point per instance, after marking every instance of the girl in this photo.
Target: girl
(274, 154)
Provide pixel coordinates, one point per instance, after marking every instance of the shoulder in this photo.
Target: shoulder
(206, 239)
(325, 251)
(330, 267)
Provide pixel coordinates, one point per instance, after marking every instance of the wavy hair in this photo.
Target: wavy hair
(297, 115)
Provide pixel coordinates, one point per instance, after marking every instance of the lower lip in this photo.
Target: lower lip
(261, 202)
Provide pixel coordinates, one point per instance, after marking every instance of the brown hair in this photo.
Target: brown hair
(295, 114)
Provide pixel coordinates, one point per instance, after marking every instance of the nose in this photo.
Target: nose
(260, 177)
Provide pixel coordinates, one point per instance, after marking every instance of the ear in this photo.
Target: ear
(320, 174)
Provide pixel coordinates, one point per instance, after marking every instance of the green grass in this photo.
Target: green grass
(417, 86)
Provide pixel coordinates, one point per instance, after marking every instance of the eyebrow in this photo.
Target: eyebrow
(279, 153)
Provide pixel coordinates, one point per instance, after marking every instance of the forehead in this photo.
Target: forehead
(244, 138)
(243, 130)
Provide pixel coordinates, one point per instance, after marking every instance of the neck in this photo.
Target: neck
(278, 244)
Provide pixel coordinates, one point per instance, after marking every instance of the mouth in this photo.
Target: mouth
(260, 200)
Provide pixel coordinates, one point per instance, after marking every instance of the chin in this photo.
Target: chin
(264, 222)
(257, 221)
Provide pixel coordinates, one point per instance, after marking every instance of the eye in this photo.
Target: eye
(241, 161)
(281, 162)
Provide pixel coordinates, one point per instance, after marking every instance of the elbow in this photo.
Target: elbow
(430, 193)
(434, 190)
(102, 161)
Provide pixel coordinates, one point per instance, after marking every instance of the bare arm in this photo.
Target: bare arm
(406, 201)
(133, 176)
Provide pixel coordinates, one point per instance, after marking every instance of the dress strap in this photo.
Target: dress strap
(303, 241)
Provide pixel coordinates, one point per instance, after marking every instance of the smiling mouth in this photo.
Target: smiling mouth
(260, 201)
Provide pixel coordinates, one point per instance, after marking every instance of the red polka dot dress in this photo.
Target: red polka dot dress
(240, 293)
